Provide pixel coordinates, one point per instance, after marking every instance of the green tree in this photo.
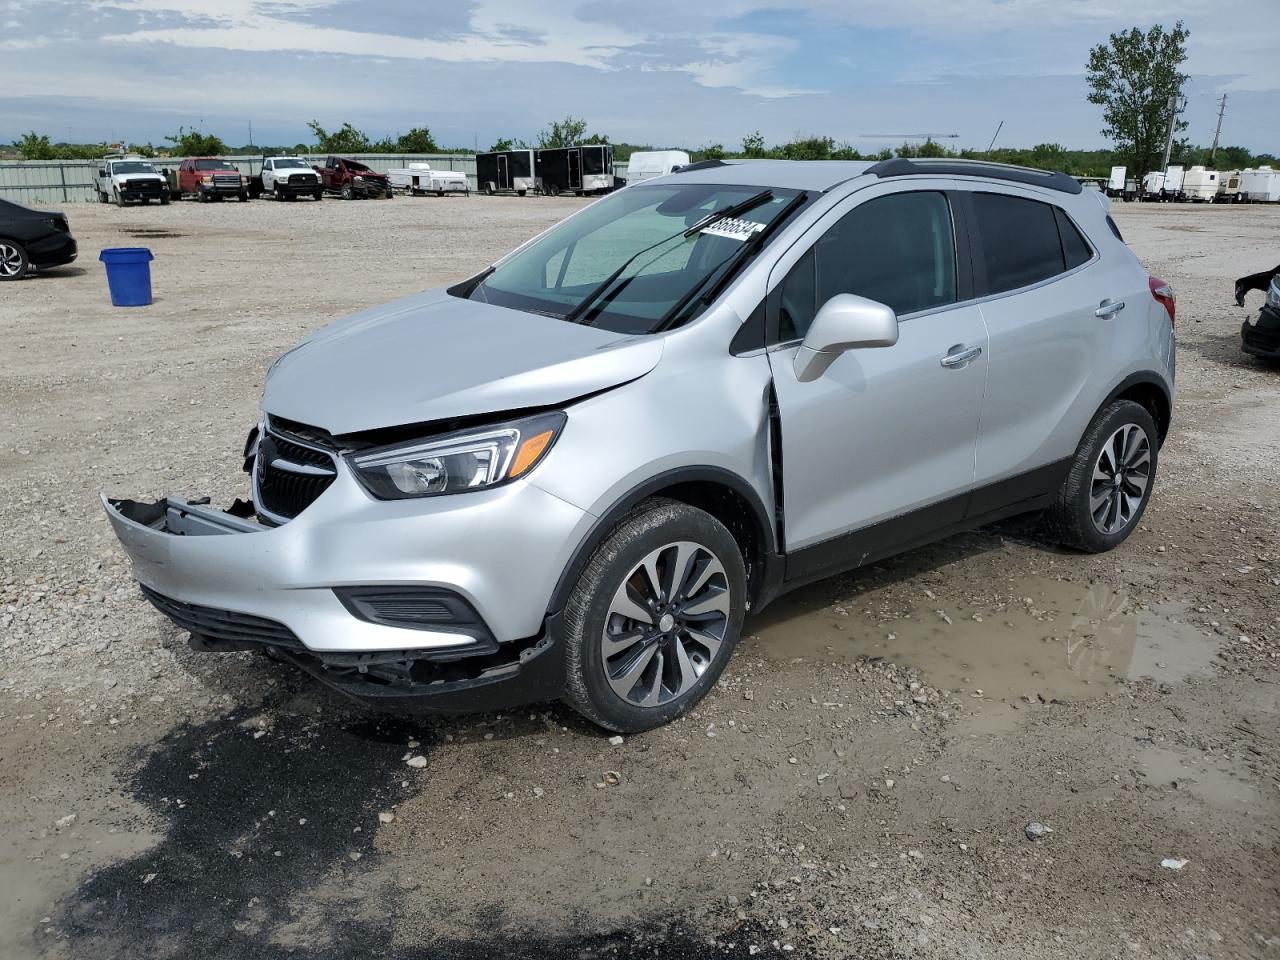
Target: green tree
(36, 146)
(502, 144)
(807, 148)
(567, 133)
(417, 140)
(346, 139)
(712, 151)
(194, 143)
(753, 146)
(1133, 77)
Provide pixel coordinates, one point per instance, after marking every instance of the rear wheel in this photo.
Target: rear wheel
(1110, 480)
(654, 617)
(13, 260)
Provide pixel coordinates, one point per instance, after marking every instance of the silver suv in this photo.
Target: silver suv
(574, 474)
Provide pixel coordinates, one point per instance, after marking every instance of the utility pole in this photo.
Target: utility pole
(1177, 103)
(994, 135)
(1222, 108)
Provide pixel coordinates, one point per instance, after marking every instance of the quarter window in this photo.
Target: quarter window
(897, 249)
(1025, 241)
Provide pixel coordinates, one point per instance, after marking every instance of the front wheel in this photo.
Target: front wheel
(13, 260)
(164, 199)
(347, 192)
(654, 617)
(1110, 481)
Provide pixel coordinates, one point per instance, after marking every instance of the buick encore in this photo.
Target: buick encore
(574, 474)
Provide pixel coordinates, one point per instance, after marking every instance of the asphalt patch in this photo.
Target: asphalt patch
(267, 853)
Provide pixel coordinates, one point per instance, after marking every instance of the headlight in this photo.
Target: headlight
(243, 178)
(1273, 295)
(358, 179)
(206, 179)
(466, 460)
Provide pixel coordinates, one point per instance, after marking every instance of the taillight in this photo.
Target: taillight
(1163, 295)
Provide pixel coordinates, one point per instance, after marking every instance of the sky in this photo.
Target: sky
(663, 72)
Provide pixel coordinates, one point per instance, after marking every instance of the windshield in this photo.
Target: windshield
(213, 165)
(563, 271)
(289, 162)
(132, 166)
(357, 167)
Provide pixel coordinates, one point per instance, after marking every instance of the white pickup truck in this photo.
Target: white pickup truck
(289, 177)
(122, 180)
(419, 178)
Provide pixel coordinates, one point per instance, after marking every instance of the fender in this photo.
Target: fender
(770, 563)
(1145, 378)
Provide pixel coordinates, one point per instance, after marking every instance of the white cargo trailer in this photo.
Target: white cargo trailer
(648, 164)
(1200, 185)
(1228, 186)
(1260, 185)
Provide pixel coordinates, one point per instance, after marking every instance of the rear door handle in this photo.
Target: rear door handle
(1108, 309)
(960, 356)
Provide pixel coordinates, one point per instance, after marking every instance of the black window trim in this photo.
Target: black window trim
(975, 241)
(966, 271)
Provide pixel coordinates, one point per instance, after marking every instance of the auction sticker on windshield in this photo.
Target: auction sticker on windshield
(733, 228)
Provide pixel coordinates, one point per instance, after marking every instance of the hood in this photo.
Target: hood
(435, 357)
(129, 177)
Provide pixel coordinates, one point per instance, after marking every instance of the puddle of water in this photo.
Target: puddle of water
(1056, 640)
(1203, 777)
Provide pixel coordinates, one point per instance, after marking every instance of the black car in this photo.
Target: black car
(1262, 337)
(32, 238)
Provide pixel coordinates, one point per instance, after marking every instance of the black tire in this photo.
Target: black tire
(103, 198)
(279, 195)
(244, 196)
(14, 263)
(521, 193)
(318, 195)
(1070, 521)
(348, 192)
(553, 191)
(164, 199)
(119, 200)
(652, 525)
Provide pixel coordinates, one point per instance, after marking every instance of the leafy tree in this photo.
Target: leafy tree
(1132, 77)
(502, 144)
(845, 151)
(142, 149)
(194, 143)
(567, 133)
(36, 146)
(417, 140)
(383, 145)
(712, 151)
(753, 146)
(346, 139)
(807, 148)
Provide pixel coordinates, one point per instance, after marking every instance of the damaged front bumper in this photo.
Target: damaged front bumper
(1262, 337)
(374, 601)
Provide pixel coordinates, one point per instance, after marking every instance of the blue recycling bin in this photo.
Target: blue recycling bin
(128, 275)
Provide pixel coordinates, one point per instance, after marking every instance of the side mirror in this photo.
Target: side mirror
(845, 322)
(102, 171)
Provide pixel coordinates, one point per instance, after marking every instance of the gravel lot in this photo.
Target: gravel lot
(860, 786)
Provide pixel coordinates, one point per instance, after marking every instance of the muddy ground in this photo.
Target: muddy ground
(859, 786)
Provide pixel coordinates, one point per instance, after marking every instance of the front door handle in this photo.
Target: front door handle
(960, 356)
(1108, 309)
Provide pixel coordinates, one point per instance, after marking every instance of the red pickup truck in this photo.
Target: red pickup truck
(207, 178)
(350, 179)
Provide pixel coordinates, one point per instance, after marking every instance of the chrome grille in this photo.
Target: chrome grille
(289, 476)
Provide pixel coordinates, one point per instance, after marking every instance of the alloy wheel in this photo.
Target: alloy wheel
(10, 260)
(665, 624)
(1121, 476)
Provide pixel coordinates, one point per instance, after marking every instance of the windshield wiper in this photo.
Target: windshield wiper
(742, 206)
(748, 248)
(586, 302)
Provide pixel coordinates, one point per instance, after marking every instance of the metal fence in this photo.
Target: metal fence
(73, 181)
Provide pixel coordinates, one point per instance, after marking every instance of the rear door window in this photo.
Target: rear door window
(1020, 242)
(897, 249)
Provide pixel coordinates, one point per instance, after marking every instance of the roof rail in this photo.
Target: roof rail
(904, 167)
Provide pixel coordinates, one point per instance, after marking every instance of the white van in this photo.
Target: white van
(655, 163)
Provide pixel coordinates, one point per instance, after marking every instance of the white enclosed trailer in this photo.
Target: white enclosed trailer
(648, 164)
(1200, 185)
(1260, 185)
